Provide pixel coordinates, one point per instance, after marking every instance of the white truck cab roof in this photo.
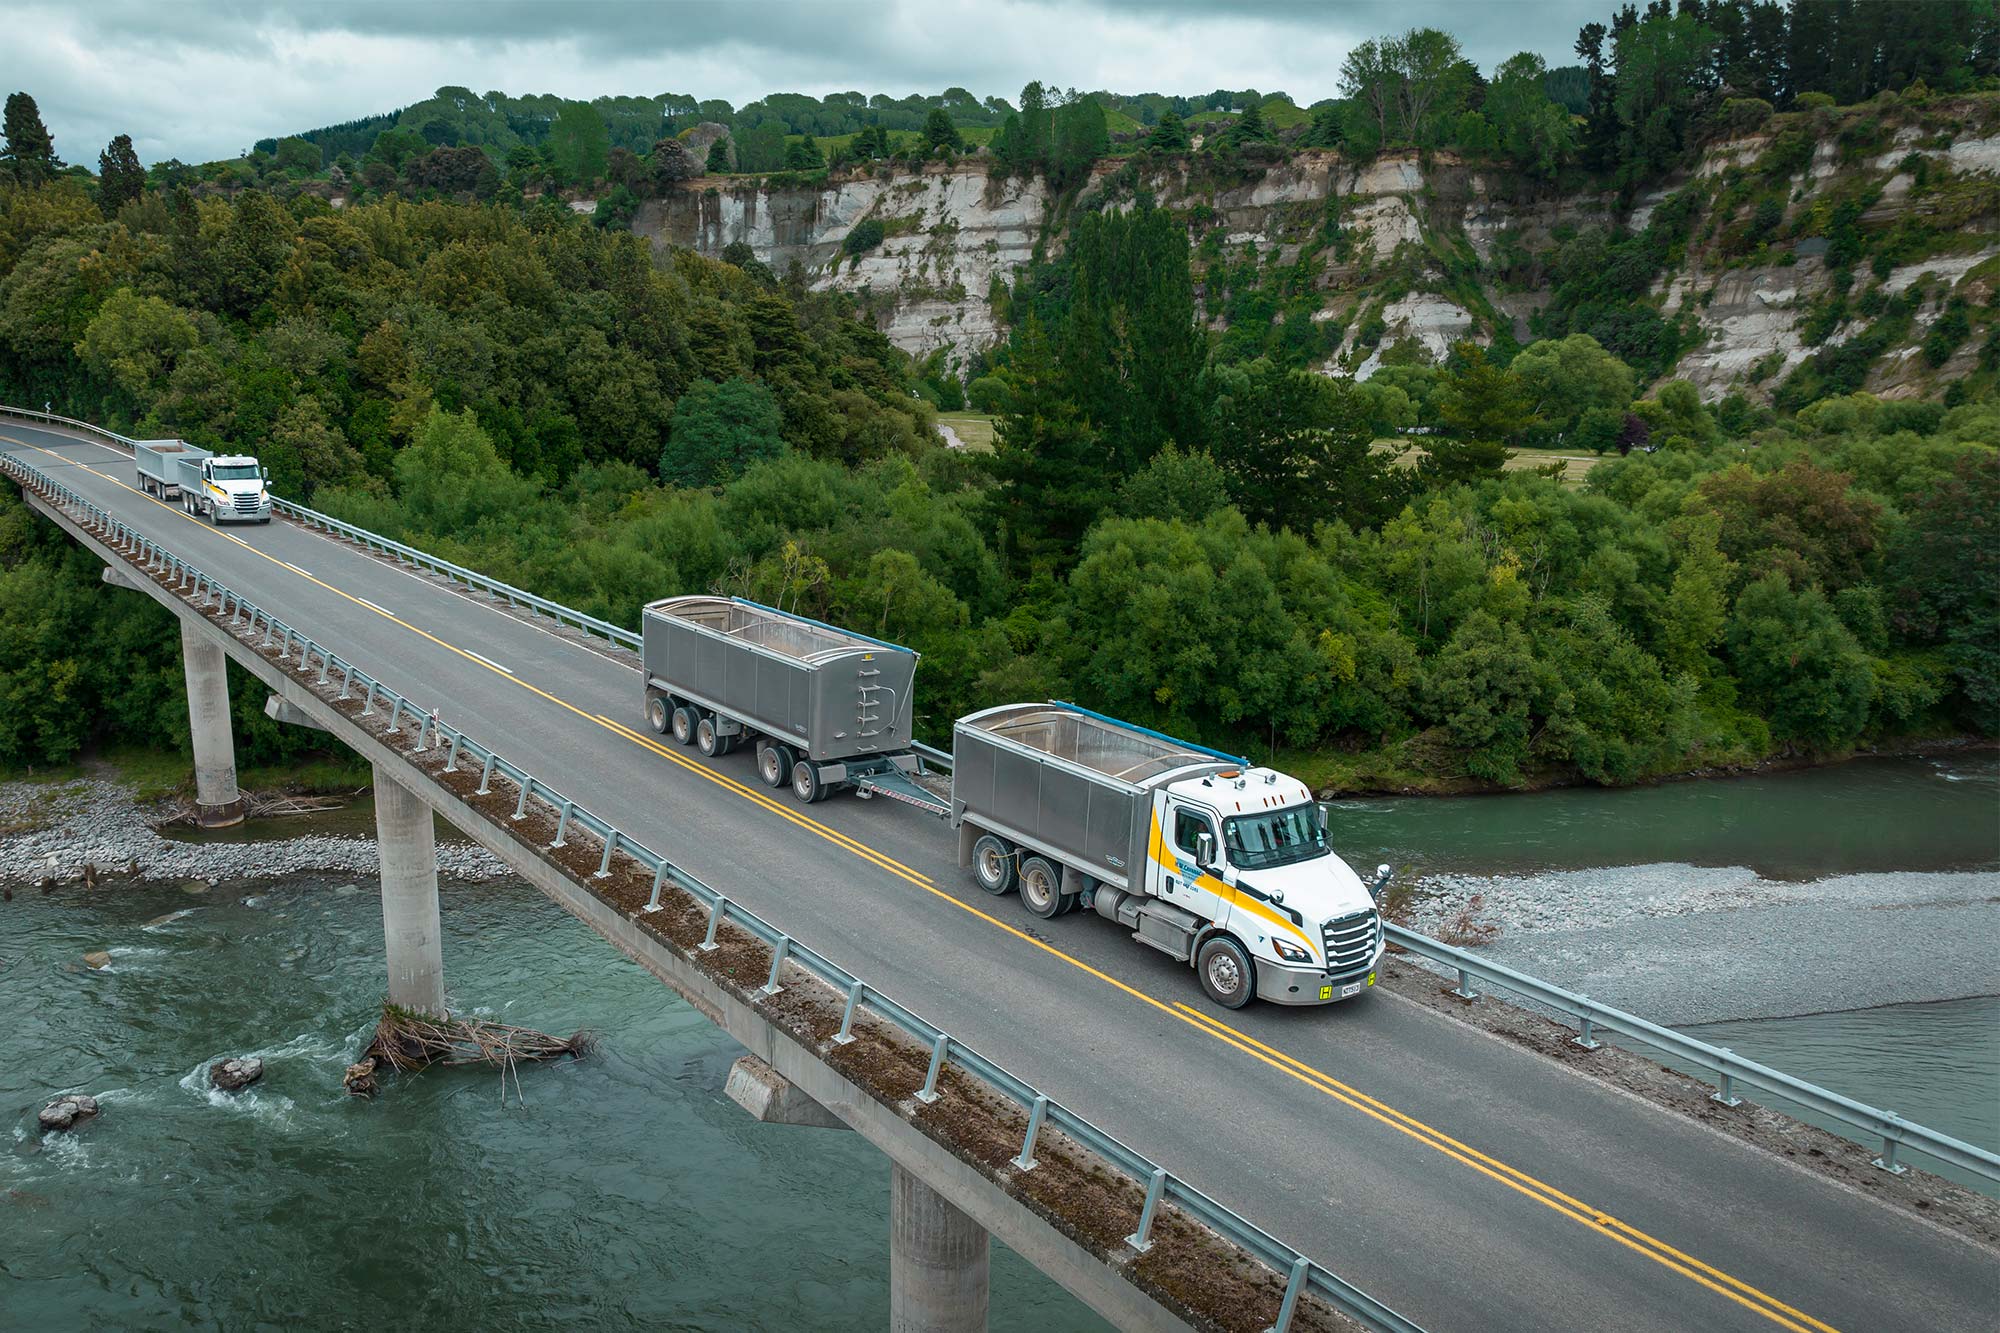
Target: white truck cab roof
(1242, 792)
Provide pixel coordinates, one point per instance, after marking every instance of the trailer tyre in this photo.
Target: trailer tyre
(1041, 887)
(774, 764)
(684, 720)
(707, 739)
(993, 864)
(1225, 972)
(659, 715)
(807, 784)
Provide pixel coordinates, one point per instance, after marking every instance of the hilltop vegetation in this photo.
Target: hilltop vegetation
(1178, 523)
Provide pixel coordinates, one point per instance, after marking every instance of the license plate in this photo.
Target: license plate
(1350, 990)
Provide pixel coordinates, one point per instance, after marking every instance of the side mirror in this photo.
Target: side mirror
(1204, 849)
(1382, 873)
(264, 472)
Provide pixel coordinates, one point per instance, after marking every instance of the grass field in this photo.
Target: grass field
(1575, 466)
(974, 429)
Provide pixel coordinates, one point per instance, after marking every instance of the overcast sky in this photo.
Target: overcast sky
(202, 79)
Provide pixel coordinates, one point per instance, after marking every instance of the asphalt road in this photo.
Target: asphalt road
(1468, 1183)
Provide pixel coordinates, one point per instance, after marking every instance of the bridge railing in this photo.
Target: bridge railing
(1728, 1068)
(305, 656)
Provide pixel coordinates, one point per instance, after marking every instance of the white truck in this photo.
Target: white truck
(1212, 861)
(223, 488)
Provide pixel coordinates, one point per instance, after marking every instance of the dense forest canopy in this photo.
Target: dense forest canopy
(1178, 525)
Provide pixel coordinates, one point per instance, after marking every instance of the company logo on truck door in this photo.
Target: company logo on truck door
(1168, 858)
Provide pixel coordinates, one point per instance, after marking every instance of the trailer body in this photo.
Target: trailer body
(223, 489)
(724, 671)
(1222, 865)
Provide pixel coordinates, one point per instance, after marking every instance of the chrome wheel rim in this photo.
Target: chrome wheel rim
(989, 866)
(1223, 973)
(1035, 888)
(802, 782)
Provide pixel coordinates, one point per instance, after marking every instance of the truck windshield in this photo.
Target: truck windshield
(234, 472)
(1275, 838)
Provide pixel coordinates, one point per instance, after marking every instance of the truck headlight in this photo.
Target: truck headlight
(1292, 953)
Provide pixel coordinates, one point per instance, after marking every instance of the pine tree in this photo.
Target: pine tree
(718, 157)
(120, 178)
(30, 156)
(1053, 473)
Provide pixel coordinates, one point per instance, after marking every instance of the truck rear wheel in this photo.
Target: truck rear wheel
(807, 784)
(684, 720)
(993, 864)
(1041, 887)
(707, 740)
(1225, 972)
(659, 714)
(774, 764)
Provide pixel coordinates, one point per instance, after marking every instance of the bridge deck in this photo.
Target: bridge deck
(1466, 1182)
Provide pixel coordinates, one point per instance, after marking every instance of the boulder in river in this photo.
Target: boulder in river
(359, 1080)
(66, 1110)
(235, 1072)
(98, 958)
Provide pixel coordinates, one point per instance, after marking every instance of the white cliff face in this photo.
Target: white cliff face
(1407, 231)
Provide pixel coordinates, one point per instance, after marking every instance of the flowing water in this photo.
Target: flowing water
(615, 1191)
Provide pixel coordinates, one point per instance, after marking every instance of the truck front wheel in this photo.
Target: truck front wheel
(993, 864)
(1041, 887)
(1225, 972)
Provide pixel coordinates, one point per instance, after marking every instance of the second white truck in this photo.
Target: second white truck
(221, 488)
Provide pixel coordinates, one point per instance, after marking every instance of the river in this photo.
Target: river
(624, 1188)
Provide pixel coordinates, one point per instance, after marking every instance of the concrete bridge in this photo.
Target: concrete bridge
(1458, 1180)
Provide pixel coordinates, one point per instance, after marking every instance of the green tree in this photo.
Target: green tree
(1944, 577)
(1565, 378)
(578, 148)
(1169, 136)
(940, 132)
(30, 155)
(1487, 408)
(135, 341)
(718, 157)
(120, 178)
(1296, 447)
(1176, 484)
(1799, 665)
(1049, 464)
(1534, 131)
(450, 479)
(718, 430)
(1248, 127)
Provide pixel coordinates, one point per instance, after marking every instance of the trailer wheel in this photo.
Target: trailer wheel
(774, 764)
(993, 864)
(1041, 887)
(708, 740)
(658, 716)
(807, 784)
(684, 720)
(1225, 972)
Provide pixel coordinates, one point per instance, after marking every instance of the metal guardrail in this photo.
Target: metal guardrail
(1728, 1067)
(299, 651)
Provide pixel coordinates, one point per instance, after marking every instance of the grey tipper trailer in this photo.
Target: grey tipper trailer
(827, 708)
(1067, 782)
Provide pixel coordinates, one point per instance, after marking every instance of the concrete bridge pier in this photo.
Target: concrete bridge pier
(939, 1261)
(411, 934)
(217, 802)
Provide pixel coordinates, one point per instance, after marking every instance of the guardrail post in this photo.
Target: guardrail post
(346, 681)
(778, 957)
(1584, 1039)
(486, 776)
(285, 645)
(715, 911)
(325, 663)
(1293, 1286)
(846, 1033)
(928, 1093)
(1142, 1239)
(562, 826)
(1723, 1093)
(521, 806)
(395, 712)
(1887, 1161)
(659, 878)
(1025, 1160)
(1464, 989)
(610, 846)
(451, 757)
(267, 630)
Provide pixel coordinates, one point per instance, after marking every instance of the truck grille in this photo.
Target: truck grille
(246, 504)
(1350, 942)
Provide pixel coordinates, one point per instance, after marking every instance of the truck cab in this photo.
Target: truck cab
(234, 488)
(1246, 851)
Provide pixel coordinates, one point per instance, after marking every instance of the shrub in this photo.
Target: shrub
(867, 234)
(1741, 115)
(1813, 102)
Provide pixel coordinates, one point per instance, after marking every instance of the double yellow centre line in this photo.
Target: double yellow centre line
(1596, 1220)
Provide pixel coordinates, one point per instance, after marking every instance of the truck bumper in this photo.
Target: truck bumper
(1278, 984)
